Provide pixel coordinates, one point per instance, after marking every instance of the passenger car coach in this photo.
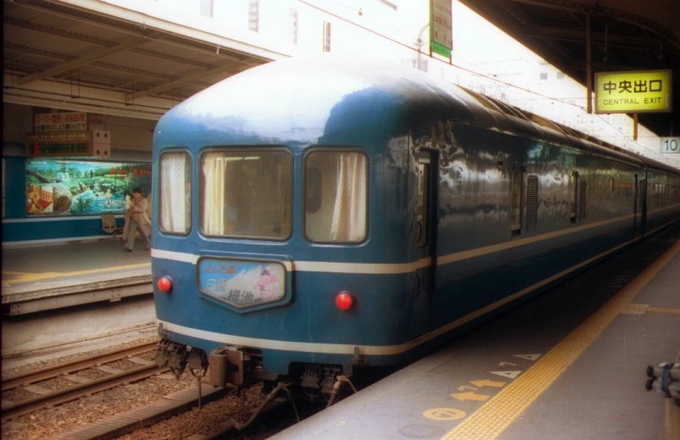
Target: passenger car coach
(317, 214)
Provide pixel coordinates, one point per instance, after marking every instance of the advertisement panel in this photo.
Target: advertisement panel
(62, 121)
(78, 187)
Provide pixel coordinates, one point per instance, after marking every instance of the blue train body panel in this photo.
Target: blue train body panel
(429, 206)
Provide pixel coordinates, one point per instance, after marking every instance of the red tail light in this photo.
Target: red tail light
(164, 284)
(344, 300)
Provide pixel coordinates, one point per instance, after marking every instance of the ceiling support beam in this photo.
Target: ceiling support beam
(227, 70)
(126, 44)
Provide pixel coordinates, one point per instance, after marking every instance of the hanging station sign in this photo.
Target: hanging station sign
(66, 134)
(59, 143)
(670, 145)
(633, 92)
(441, 29)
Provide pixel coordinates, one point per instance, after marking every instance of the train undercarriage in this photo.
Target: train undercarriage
(239, 367)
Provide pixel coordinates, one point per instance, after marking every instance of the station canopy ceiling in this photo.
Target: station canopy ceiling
(625, 35)
(96, 57)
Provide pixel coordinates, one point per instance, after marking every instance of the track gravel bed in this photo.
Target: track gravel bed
(210, 418)
(198, 423)
(63, 418)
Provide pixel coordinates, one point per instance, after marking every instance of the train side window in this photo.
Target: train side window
(516, 187)
(313, 182)
(532, 202)
(174, 191)
(336, 196)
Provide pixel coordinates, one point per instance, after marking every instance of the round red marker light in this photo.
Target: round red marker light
(344, 300)
(164, 284)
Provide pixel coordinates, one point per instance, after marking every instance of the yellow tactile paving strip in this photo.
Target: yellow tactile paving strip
(27, 276)
(498, 413)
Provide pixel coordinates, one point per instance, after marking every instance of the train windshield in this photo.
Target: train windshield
(246, 193)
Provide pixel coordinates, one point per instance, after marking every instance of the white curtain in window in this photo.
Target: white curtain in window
(214, 181)
(174, 207)
(349, 213)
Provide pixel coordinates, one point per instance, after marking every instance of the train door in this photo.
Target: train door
(426, 221)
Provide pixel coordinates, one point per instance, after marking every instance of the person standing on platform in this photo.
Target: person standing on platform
(138, 219)
(128, 215)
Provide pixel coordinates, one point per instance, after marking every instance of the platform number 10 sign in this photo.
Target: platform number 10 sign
(670, 145)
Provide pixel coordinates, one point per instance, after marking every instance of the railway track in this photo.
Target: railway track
(62, 383)
(230, 417)
(32, 392)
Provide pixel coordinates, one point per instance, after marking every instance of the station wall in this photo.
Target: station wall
(131, 142)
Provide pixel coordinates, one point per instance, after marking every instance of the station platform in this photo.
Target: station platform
(569, 364)
(54, 276)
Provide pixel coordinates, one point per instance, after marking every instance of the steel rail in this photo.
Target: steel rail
(58, 397)
(74, 366)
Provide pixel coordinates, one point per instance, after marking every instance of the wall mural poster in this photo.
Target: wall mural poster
(74, 187)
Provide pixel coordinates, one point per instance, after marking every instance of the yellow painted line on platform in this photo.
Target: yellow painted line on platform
(664, 310)
(643, 309)
(492, 418)
(28, 276)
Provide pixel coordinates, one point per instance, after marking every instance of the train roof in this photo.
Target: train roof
(308, 99)
(568, 132)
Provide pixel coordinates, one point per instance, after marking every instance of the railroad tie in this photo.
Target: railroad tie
(75, 378)
(107, 369)
(36, 389)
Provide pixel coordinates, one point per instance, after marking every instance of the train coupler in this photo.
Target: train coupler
(228, 365)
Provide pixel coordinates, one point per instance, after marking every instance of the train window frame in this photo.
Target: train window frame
(219, 227)
(163, 207)
(334, 235)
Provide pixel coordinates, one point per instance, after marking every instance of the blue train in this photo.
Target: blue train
(314, 215)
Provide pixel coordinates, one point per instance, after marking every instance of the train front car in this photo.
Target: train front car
(290, 239)
(314, 215)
